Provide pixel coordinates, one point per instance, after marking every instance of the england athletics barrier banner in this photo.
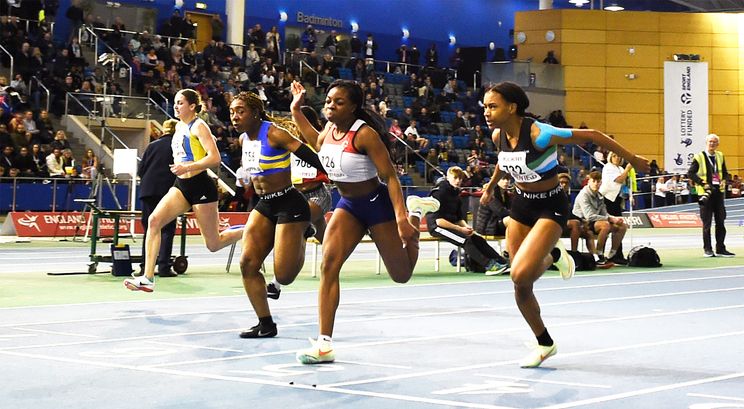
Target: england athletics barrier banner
(65, 224)
(685, 113)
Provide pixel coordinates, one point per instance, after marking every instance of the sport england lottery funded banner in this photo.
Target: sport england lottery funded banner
(685, 113)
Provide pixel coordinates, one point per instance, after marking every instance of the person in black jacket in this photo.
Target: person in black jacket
(494, 217)
(155, 180)
(448, 223)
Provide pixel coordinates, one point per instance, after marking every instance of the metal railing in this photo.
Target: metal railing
(525, 73)
(169, 40)
(118, 106)
(305, 65)
(390, 66)
(28, 22)
(117, 59)
(39, 84)
(63, 191)
(10, 76)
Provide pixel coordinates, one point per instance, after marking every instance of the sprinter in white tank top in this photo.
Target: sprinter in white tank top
(354, 155)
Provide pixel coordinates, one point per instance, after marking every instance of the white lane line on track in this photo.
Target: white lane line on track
(403, 316)
(646, 391)
(558, 356)
(171, 344)
(513, 378)
(408, 286)
(343, 346)
(255, 381)
(69, 334)
(702, 395)
(336, 389)
(378, 300)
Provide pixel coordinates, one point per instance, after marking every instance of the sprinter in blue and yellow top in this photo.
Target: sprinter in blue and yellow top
(282, 215)
(194, 151)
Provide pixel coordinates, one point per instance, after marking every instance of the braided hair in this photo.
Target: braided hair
(254, 102)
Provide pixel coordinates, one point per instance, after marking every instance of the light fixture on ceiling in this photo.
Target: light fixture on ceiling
(578, 3)
(614, 7)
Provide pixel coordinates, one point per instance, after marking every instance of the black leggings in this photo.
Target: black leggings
(475, 246)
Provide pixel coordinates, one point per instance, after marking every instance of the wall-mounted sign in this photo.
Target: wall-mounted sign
(317, 20)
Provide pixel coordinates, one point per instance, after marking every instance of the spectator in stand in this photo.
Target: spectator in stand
(654, 169)
(455, 61)
(259, 36)
(60, 140)
(370, 48)
(450, 89)
(660, 191)
(412, 131)
(432, 57)
(614, 177)
(683, 190)
(404, 56)
(25, 163)
(5, 138)
(39, 158)
(8, 159)
(89, 165)
(355, 45)
(55, 164)
(273, 39)
(46, 128)
(30, 124)
(18, 84)
(599, 157)
(218, 27)
(448, 223)
(550, 58)
(590, 206)
(395, 129)
(735, 187)
(309, 39)
(415, 58)
(406, 117)
(19, 137)
(458, 124)
(577, 228)
(493, 218)
(76, 15)
(15, 120)
(69, 164)
(330, 43)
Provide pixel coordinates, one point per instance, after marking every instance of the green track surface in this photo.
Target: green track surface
(37, 288)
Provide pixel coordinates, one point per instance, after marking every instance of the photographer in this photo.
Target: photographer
(708, 171)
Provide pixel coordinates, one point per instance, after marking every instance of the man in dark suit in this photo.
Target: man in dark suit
(155, 180)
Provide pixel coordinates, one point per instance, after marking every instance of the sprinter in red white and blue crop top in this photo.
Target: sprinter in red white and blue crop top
(352, 149)
(527, 151)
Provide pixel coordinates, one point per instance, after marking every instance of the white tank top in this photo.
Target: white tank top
(342, 161)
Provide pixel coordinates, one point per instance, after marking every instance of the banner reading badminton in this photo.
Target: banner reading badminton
(685, 113)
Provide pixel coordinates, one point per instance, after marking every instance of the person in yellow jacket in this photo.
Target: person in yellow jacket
(708, 170)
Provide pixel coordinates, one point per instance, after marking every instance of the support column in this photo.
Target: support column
(235, 11)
